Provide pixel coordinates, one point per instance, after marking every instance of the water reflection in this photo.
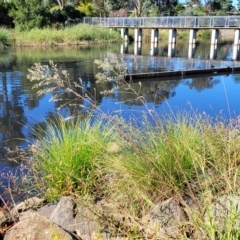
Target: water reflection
(21, 107)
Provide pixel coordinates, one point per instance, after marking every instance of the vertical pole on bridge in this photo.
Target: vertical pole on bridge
(138, 35)
(214, 41)
(172, 36)
(237, 37)
(124, 34)
(236, 45)
(214, 36)
(154, 35)
(192, 36)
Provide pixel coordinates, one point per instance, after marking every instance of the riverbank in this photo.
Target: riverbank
(77, 35)
(83, 34)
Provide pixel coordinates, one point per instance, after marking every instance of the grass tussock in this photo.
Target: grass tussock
(79, 34)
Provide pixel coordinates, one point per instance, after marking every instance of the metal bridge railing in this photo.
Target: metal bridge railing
(167, 22)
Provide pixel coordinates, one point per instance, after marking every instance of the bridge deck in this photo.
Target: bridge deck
(190, 22)
(182, 73)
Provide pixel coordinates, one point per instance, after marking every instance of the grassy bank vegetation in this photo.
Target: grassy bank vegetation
(78, 34)
(188, 156)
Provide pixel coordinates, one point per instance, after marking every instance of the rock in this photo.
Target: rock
(164, 220)
(31, 203)
(64, 213)
(5, 217)
(47, 209)
(225, 210)
(79, 220)
(36, 227)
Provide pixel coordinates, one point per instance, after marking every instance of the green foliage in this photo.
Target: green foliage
(4, 9)
(71, 35)
(5, 37)
(66, 158)
(28, 14)
(86, 8)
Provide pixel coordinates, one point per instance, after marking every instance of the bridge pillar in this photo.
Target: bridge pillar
(154, 48)
(236, 51)
(137, 48)
(214, 36)
(237, 37)
(137, 34)
(124, 47)
(154, 35)
(172, 36)
(171, 49)
(124, 34)
(191, 50)
(192, 36)
(213, 51)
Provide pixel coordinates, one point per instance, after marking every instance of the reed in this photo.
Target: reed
(76, 35)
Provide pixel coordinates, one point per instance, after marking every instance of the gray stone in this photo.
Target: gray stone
(223, 209)
(36, 227)
(47, 209)
(31, 203)
(165, 218)
(64, 213)
(5, 217)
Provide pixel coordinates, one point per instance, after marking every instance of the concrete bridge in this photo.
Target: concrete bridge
(191, 23)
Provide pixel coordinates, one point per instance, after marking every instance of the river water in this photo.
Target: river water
(22, 109)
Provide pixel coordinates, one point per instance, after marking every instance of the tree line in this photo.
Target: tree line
(28, 14)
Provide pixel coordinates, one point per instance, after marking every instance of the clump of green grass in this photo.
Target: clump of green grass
(79, 34)
(5, 37)
(65, 160)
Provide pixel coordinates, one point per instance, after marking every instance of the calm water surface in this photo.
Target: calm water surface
(21, 107)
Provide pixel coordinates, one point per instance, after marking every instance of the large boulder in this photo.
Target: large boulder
(223, 211)
(74, 218)
(165, 219)
(36, 227)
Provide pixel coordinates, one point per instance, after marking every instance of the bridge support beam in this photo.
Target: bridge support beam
(192, 36)
(172, 36)
(154, 49)
(124, 34)
(191, 50)
(214, 36)
(124, 47)
(237, 37)
(138, 35)
(154, 35)
(213, 51)
(171, 49)
(236, 51)
(137, 48)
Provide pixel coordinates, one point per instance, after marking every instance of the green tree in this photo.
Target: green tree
(4, 9)
(28, 14)
(117, 5)
(221, 7)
